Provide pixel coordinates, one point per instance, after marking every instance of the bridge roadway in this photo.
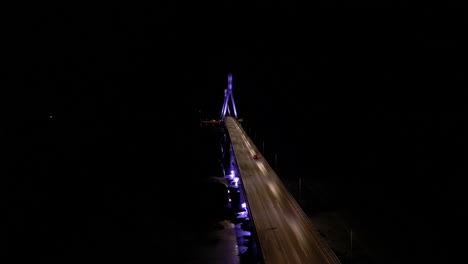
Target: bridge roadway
(285, 233)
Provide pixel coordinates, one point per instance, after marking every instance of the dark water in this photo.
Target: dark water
(123, 173)
(396, 170)
(75, 189)
(110, 180)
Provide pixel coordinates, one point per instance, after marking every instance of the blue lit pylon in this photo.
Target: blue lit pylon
(228, 95)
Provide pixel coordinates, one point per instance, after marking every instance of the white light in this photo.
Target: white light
(236, 180)
(273, 188)
(262, 167)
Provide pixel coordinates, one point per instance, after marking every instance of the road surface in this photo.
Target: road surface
(285, 233)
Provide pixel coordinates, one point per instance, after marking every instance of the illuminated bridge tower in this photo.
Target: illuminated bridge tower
(246, 236)
(228, 97)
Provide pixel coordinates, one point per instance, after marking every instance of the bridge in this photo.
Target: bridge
(284, 232)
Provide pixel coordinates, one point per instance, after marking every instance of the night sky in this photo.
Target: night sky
(101, 109)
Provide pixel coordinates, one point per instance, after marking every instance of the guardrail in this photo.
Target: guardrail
(261, 256)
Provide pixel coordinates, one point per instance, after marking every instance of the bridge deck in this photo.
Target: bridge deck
(285, 233)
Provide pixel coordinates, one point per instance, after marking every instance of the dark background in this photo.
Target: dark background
(370, 101)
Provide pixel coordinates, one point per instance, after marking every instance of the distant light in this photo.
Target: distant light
(244, 205)
(229, 199)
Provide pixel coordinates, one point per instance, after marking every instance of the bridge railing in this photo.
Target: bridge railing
(261, 256)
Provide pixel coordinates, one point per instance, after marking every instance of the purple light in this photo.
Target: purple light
(228, 95)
